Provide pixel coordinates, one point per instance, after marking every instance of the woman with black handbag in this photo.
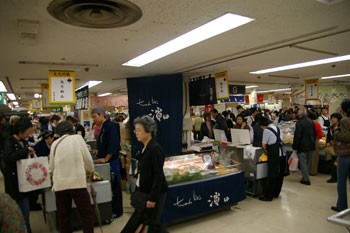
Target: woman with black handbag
(151, 186)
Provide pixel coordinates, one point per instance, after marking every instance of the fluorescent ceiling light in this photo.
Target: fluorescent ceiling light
(215, 27)
(336, 76)
(247, 87)
(2, 87)
(11, 96)
(304, 64)
(104, 94)
(90, 84)
(276, 90)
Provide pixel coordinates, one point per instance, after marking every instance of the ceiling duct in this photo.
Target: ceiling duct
(95, 13)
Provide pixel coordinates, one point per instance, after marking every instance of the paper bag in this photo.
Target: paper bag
(33, 174)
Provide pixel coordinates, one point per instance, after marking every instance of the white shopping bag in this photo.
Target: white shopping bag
(33, 174)
(293, 162)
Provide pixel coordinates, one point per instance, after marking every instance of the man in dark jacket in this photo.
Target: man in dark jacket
(108, 147)
(220, 122)
(304, 144)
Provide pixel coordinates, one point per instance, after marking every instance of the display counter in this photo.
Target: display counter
(191, 199)
(199, 184)
(254, 170)
(103, 200)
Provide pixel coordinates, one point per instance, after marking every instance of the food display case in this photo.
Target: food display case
(200, 184)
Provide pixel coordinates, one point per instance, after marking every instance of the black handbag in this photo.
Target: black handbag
(138, 200)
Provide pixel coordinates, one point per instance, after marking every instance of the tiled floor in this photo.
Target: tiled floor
(300, 208)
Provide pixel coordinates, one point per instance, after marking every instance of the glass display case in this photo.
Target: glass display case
(190, 167)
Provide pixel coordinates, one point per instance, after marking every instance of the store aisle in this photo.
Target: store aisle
(300, 208)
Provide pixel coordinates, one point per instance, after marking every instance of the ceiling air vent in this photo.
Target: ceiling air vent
(95, 13)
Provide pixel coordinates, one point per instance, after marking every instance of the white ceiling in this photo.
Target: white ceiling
(263, 43)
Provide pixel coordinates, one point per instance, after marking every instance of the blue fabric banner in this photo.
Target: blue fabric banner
(194, 198)
(161, 98)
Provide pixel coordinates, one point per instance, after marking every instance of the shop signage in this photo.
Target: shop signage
(237, 89)
(221, 84)
(260, 98)
(246, 99)
(61, 87)
(36, 104)
(311, 89)
(59, 109)
(202, 92)
(82, 96)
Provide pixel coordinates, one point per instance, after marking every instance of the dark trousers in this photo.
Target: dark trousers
(81, 199)
(117, 196)
(273, 185)
(150, 217)
(23, 203)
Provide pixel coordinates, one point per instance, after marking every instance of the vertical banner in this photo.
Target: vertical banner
(221, 84)
(161, 98)
(311, 89)
(45, 95)
(246, 99)
(36, 104)
(202, 92)
(61, 87)
(260, 98)
(82, 96)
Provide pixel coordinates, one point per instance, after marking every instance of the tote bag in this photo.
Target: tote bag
(33, 174)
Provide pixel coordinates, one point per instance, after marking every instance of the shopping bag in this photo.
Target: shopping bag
(330, 150)
(33, 174)
(293, 162)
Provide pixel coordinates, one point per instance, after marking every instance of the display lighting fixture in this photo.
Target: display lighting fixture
(104, 94)
(303, 64)
(247, 87)
(2, 87)
(11, 96)
(336, 76)
(215, 27)
(37, 95)
(275, 90)
(90, 84)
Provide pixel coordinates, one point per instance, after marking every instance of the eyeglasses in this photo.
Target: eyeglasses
(138, 131)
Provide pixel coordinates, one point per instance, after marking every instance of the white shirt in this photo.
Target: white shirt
(70, 163)
(321, 120)
(269, 138)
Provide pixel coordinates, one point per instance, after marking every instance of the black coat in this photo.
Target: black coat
(152, 179)
(13, 151)
(304, 135)
(205, 131)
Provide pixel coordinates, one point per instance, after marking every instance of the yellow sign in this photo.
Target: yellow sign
(221, 84)
(311, 89)
(61, 87)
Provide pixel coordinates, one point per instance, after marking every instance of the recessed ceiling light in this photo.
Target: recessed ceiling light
(275, 90)
(104, 94)
(2, 87)
(215, 27)
(336, 76)
(304, 64)
(90, 84)
(11, 96)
